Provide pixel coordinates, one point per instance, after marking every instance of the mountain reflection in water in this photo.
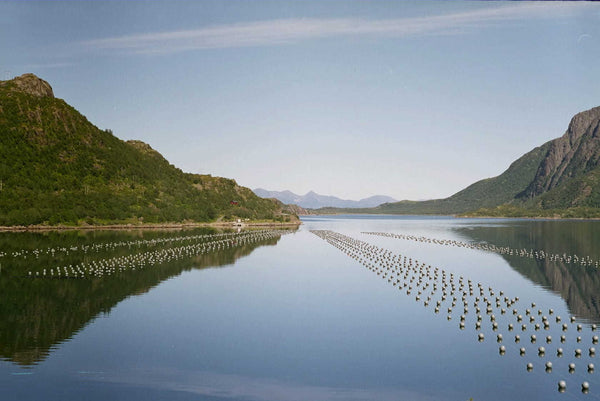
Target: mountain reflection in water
(579, 286)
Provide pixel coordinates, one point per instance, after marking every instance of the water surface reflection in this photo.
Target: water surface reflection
(37, 314)
(578, 285)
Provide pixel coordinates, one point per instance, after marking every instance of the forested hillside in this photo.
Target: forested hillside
(57, 167)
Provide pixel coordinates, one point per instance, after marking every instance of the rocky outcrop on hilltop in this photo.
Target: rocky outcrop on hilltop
(295, 209)
(31, 84)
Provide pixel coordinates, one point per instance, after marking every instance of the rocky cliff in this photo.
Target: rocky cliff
(577, 152)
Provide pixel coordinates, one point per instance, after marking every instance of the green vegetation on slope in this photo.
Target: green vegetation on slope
(581, 191)
(575, 198)
(58, 168)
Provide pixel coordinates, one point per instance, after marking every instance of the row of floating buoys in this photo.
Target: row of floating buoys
(584, 261)
(445, 291)
(97, 247)
(141, 260)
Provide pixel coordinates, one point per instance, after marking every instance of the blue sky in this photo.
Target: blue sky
(415, 100)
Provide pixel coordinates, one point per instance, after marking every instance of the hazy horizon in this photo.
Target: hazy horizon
(413, 100)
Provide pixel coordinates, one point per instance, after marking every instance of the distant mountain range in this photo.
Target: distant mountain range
(313, 200)
(560, 178)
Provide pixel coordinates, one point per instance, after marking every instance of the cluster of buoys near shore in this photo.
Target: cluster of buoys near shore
(584, 261)
(446, 293)
(201, 244)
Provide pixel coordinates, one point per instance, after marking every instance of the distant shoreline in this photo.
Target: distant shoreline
(457, 216)
(530, 218)
(164, 226)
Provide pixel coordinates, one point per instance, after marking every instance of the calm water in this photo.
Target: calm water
(199, 315)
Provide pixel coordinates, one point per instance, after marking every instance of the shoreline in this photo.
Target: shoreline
(162, 226)
(530, 217)
(230, 224)
(459, 216)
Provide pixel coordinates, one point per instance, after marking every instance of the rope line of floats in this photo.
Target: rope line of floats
(584, 261)
(141, 260)
(97, 247)
(447, 292)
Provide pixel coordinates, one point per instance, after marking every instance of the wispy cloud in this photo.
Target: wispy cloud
(43, 66)
(285, 31)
